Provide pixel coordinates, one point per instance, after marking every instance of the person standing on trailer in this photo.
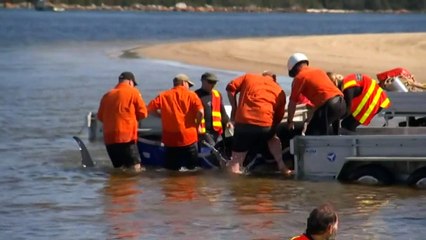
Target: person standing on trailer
(314, 84)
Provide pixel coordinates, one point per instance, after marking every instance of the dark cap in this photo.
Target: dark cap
(127, 76)
(209, 76)
(182, 78)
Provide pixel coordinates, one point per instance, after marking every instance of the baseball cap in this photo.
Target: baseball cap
(127, 76)
(182, 78)
(209, 76)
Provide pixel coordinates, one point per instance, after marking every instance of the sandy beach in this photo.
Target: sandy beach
(360, 53)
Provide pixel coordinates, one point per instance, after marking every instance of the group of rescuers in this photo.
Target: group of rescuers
(333, 101)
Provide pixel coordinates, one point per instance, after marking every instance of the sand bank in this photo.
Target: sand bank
(360, 53)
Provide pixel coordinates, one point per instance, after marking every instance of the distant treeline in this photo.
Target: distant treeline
(374, 5)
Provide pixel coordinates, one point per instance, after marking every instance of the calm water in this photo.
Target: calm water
(54, 67)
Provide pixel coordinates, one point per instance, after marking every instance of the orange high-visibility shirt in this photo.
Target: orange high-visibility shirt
(261, 101)
(179, 107)
(315, 85)
(119, 111)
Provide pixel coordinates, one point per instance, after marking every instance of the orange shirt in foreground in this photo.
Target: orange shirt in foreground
(179, 107)
(315, 85)
(119, 111)
(261, 101)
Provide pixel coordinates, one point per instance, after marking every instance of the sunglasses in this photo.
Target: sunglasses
(211, 82)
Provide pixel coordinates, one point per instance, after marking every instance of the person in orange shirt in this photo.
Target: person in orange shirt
(181, 112)
(315, 85)
(322, 224)
(120, 110)
(260, 109)
(363, 96)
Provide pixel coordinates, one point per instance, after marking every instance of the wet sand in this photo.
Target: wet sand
(345, 54)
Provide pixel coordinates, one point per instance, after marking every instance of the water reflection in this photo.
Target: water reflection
(121, 205)
(180, 188)
(257, 197)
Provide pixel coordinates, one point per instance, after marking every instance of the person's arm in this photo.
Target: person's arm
(140, 107)
(296, 90)
(233, 102)
(232, 89)
(225, 117)
(349, 95)
(291, 111)
(154, 107)
(279, 109)
(199, 117)
(198, 106)
(100, 113)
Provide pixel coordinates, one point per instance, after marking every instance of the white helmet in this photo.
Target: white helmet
(295, 59)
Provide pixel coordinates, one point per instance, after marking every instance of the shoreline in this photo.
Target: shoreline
(349, 53)
(183, 7)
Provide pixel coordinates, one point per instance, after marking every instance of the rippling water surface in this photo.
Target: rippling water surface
(54, 68)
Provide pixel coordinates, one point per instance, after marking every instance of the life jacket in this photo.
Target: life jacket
(216, 114)
(301, 237)
(372, 97)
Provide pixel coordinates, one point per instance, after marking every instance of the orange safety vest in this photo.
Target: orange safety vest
(366, 105)
(216, 115)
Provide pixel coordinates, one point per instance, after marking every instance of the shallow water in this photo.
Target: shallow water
(55, 68)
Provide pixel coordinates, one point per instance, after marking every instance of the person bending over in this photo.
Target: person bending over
(260, 109)
(314, 84)
(363, 96)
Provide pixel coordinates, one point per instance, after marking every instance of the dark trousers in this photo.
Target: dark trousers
(325, 120)
(350, 123)
(177, 157)
(123, 154)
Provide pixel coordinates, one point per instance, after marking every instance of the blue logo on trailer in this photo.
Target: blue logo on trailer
(331, 157)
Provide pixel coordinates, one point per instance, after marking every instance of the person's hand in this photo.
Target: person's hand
(286, 172)
(305, 127)
(229, 130)
(200, 130)
(290, 125)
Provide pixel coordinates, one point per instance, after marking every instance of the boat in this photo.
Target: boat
(151, 149)
(42, 5)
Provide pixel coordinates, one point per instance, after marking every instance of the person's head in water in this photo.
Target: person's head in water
(322, 223)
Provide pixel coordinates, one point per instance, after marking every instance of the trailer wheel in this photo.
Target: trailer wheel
(418, 178)
(371, 175)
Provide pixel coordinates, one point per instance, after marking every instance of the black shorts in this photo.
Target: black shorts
(248, 136)
(123, 154)
(177, 157)
(325, 120)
